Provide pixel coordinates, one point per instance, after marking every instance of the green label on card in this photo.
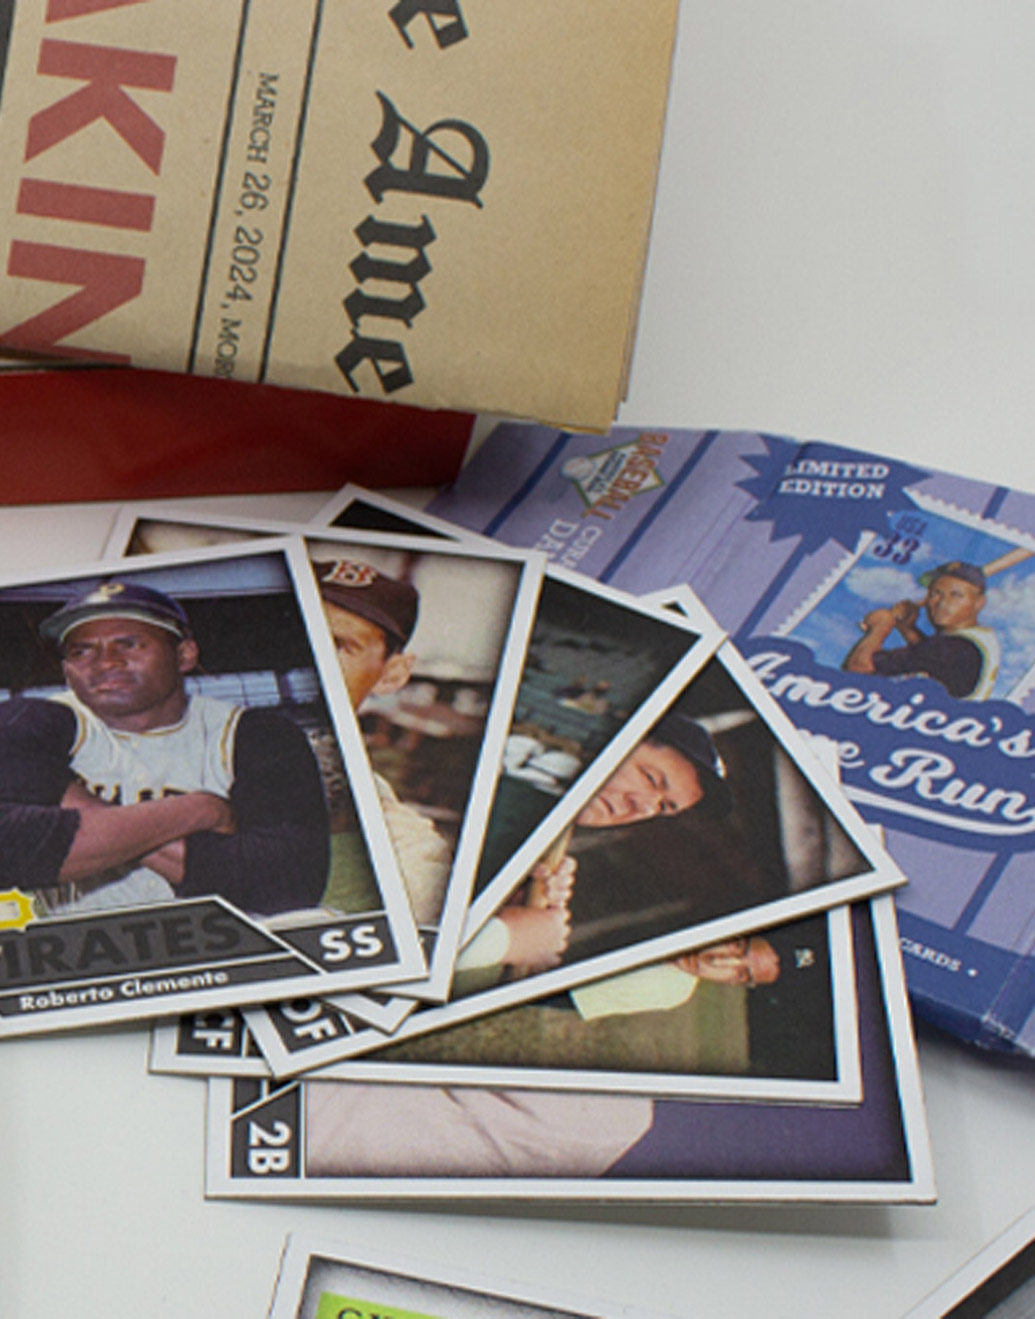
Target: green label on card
(348, 1307)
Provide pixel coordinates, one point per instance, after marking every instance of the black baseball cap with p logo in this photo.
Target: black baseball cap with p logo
(117, 599)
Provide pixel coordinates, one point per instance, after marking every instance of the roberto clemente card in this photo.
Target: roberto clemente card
(187, 815)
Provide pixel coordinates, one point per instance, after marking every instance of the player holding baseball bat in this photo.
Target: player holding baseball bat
(959, 653)
(549, 889)
(674, 770)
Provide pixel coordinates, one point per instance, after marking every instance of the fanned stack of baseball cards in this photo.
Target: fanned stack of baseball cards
(479, 877)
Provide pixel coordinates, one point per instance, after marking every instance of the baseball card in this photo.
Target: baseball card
(326, 1280)
(769, 1016)
(431, 639)
(188, 815)
(323, 1140)
(773, 1016)
(356, 506)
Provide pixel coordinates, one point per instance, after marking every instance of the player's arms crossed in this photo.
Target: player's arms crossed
(52, 831)
(109, 836)
(35, 831)
(275, 860)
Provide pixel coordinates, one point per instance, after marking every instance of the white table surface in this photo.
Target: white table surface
(844, 249)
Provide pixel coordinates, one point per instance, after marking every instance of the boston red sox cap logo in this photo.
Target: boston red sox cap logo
(345, 572)
(359, 588)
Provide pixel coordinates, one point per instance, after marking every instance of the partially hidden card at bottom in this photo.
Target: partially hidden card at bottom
(772, 1016)
(323, 1280)
(322, 1140)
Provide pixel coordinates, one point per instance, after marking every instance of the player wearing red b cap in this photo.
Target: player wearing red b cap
(372, 618)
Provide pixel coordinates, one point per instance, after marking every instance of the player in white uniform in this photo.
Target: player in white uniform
(127, 789)
(960, 653)
(372, 618)
(117, 767)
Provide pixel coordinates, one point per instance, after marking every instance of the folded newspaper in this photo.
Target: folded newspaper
(888, 608)
(437, 202)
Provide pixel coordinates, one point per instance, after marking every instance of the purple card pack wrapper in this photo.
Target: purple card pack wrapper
(887, 608)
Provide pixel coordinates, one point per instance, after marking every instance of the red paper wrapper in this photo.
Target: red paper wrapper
(77, 435)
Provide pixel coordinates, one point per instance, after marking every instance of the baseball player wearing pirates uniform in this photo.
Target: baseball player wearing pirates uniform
(965, 662)
(960, 654)
(273, 858)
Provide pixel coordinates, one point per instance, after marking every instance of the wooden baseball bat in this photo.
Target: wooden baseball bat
(535, 891)
(1008, 560)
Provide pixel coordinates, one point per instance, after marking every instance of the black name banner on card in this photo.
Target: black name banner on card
(131, 955)
(204, 1033)
(366, 940)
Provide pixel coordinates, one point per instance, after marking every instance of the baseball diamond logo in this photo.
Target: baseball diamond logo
(612, 476)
